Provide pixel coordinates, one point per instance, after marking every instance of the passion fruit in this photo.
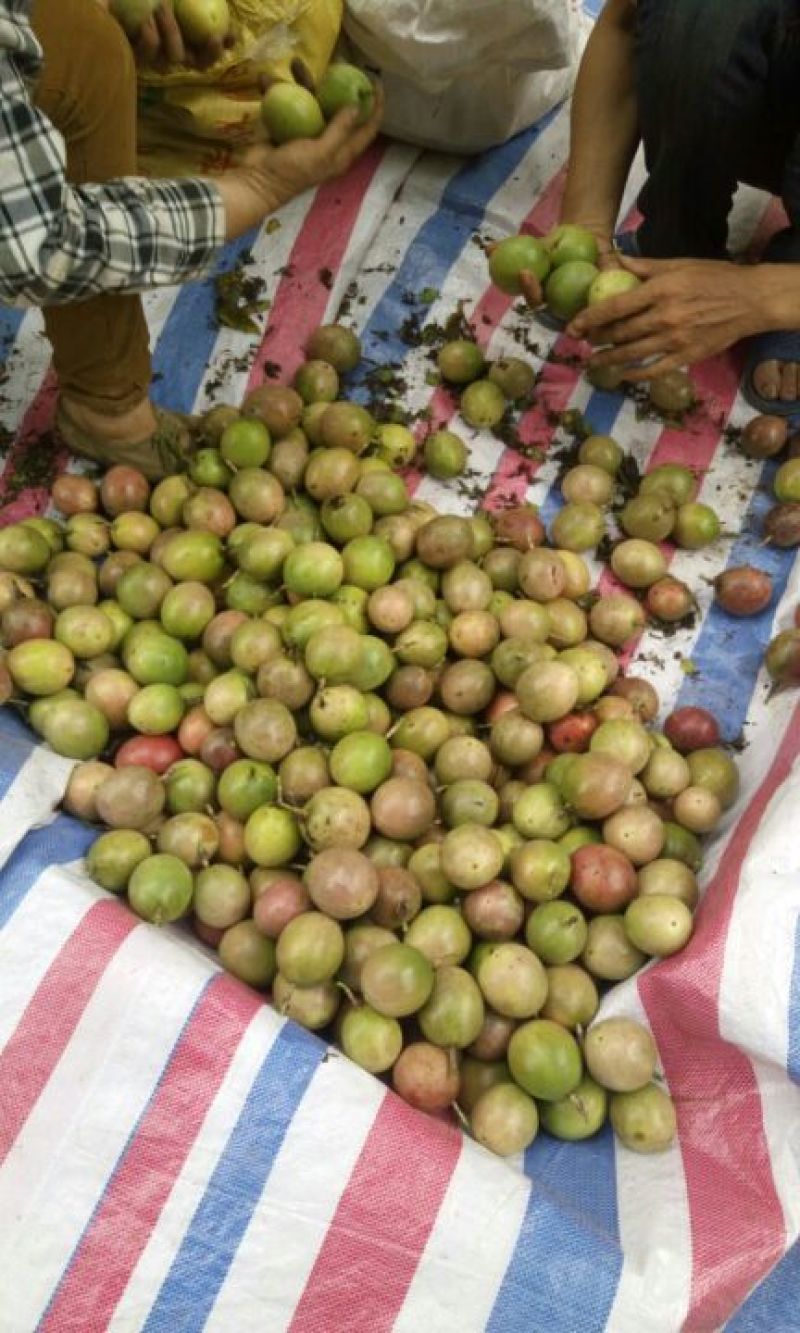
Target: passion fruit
(514, 256)
(545, 1060)
(337, 345)
(397, 980)
(113, 857)
(620, 1054)
(160, 889)
(505, 1120)
(644, 1120)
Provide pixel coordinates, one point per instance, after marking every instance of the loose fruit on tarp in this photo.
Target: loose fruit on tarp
(331, 680)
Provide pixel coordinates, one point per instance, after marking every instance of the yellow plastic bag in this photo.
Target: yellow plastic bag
(197, 121)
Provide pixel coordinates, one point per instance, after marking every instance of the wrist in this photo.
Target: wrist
(601, 227)
(244, 204)
(775, 293)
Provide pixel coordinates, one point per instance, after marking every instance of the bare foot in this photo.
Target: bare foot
(777, 381)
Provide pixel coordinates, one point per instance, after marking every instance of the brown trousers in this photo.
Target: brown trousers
(87, 88)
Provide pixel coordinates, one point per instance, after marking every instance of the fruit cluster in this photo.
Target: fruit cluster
(294, 111)
(565, 264)
(383, 758)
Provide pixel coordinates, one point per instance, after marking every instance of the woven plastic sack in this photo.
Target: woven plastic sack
(197, 120)
(464, 77)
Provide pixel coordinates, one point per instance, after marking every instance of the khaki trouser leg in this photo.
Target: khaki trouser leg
(87, 88)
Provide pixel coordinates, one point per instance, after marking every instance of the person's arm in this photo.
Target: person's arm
(686, 310)
(270, 176)
(604, 127)
(61, 243)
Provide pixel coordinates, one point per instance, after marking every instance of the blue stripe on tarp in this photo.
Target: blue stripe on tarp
(552, 502)
(566, 1266)
(10, 323)
(435, 248)
(215, 1232)
(602, 410)
(17, 743)
(729, 651)
(64, 840)
(774, 1306)
(186, 343)
(793, 1054)
(586, 1180)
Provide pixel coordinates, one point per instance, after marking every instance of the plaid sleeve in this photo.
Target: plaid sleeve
(61, 243)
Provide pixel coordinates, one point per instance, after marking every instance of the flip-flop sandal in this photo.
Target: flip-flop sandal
(780, 344)
(627, 244)
(158, 455)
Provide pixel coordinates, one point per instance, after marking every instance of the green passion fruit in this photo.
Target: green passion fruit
(513, 257)
(345, 85)
(568, 286)
(291, 112)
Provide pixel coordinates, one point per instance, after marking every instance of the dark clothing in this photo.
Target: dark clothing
(719, 99)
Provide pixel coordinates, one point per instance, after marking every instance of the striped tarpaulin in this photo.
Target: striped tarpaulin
(172, 1154)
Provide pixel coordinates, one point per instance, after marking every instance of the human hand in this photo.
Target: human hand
(684, 311)
(269, 177)
(160, 43)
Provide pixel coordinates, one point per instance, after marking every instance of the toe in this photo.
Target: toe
(789, 381)
(767, 380)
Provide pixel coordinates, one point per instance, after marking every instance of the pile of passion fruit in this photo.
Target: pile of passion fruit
(384, 759)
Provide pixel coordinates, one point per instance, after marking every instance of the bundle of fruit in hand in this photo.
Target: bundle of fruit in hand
(565, 263)
(200, 21)
(299, 110)
(384, 759)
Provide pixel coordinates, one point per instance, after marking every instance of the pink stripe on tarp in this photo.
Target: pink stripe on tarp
(773, 219)
(302, 296)
(737, 1222)
(374, 1243)
(37, 421)
(128, 1212)
(694, 443)
(555, 386)
(40, 1038)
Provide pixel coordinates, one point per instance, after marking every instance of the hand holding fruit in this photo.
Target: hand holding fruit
(682, 311)
(175, 32)
(299, 110)
(270, 176)
(565, 270)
